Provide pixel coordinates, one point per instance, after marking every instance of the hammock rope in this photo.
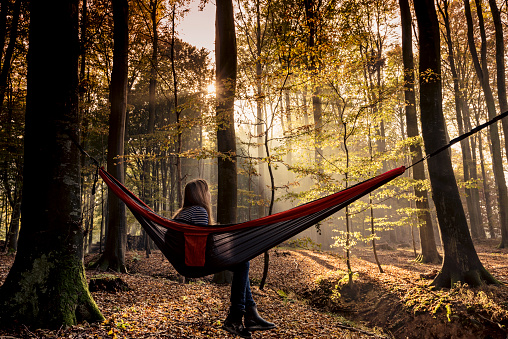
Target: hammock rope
(196, 251)
(461, 137)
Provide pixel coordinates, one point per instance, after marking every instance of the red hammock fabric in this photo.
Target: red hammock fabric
(201, 250)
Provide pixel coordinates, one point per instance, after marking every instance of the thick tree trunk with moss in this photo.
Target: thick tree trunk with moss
(225, 56)
(461, 262)
(113, 257)
(429, 252)
(46, 286)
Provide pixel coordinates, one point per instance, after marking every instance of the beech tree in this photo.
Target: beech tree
(11, 114)
(482, 73)
(46, 286)
(116, 239)
(429, 250)
(4, 73)
(469, 168)
(226, 62)
(461, 262)
(503, 105)
(225, 55)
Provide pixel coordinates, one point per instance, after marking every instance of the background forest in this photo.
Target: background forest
(320, 95)
(319, 106)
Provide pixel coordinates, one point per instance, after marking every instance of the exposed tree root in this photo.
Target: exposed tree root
(428, 260)
(473, 278)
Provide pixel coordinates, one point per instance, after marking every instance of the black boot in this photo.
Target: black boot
(254, 322)
(234, 325)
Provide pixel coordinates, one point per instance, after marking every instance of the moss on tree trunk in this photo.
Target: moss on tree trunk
(46, 286)
(48, 292)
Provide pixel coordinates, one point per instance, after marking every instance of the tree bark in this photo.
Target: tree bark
(261, 122)
(48, 272)
(317, 110)
(4, 10)
(178, 112)
(501, 94)
(500, 67)
(226, 63)
(12, 238)
(477, 230)
(482, 73)
(429, 250)
(486, 192)
(113, 257)
(461, 262)
(6, 67)
(266, 260)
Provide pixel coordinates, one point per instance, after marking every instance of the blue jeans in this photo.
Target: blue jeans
(241, 296)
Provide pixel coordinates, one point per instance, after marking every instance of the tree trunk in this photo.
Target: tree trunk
(429, 250)
(501, 94)
(266, 260)
(261, 122)
(317, 110)
(373, 233)
(473, 168)
(6, 67)
(477, 230)
(461, 262)
(90, 222)
(148, 196)
(486, 193)
(4, 10)
(500, 67)
(178, 111)
(289, 157)
(153, 66)
(113, 257)
(12, 238)
(46, 286)
(225, 56)
(482, 73)
(12, 193)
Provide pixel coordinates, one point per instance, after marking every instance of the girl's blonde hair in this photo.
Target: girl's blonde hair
(197, 193)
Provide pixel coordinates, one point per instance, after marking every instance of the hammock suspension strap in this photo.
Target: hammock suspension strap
(461, 137)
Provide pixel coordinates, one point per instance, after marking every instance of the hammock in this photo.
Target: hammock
(197, 251)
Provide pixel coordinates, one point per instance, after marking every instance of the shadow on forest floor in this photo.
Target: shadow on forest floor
(307, 295)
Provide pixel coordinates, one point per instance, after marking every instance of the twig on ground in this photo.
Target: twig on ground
(354, 329)
(30, 332)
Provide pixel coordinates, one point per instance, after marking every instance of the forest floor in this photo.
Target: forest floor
(306, 296)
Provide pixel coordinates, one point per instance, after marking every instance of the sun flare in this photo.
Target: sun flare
(210, 89)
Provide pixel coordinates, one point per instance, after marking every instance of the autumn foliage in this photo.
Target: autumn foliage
(307, 296)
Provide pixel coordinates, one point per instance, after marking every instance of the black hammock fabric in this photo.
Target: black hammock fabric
(196, 251)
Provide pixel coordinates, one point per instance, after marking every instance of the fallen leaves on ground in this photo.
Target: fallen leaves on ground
(307, 295)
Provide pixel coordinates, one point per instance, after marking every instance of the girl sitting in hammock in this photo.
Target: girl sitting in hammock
(196, 210)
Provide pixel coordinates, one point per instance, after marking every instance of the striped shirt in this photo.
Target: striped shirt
(196, 215)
